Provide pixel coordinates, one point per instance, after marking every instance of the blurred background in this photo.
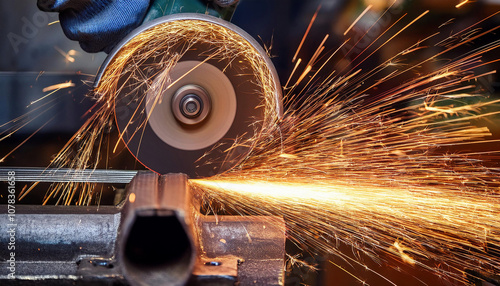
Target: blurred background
(35, 54)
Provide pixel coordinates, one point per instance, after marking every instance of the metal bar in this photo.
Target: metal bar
(64, 175)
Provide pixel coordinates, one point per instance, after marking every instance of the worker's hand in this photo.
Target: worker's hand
(97, 24)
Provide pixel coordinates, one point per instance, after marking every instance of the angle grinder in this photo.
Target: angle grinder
(190, 90)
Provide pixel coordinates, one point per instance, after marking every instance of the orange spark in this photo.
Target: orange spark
(68, 57)
(359, 18)
(58, 86)
(306, 33)
(461, 3)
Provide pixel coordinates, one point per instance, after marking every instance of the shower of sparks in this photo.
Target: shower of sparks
(355, 164)
(167, 43)
(348, 162)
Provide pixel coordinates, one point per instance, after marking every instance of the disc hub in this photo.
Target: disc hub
(191, 104)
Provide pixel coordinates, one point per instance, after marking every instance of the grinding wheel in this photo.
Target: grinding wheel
(191, 105)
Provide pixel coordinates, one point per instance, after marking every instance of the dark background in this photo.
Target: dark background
(34, 61)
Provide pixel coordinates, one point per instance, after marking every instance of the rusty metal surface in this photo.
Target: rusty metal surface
(238, 235)
(257, 241)
(57, 233)
(53, 244)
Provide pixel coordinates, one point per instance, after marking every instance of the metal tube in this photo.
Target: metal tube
(156, 245)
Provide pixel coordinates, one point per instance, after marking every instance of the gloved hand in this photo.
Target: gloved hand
(97, 24)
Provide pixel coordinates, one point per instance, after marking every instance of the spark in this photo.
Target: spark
(293, 72)
(359, 18)
(131, 198)
(290, 156)
(401, 251)
(18, 123)
(295, 260)
(303, 75)
(58, 86)
(350, 274)
(68, 57)
(318, 51)
(461, 3)
(24, 141)
(306, 33)
(54, 88)
(39, 74)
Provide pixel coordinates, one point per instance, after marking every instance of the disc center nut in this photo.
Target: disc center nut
(191, 104)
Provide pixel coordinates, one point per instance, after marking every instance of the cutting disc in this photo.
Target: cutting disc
(190, 92)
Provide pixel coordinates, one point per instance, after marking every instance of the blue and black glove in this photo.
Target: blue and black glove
(97, 24)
